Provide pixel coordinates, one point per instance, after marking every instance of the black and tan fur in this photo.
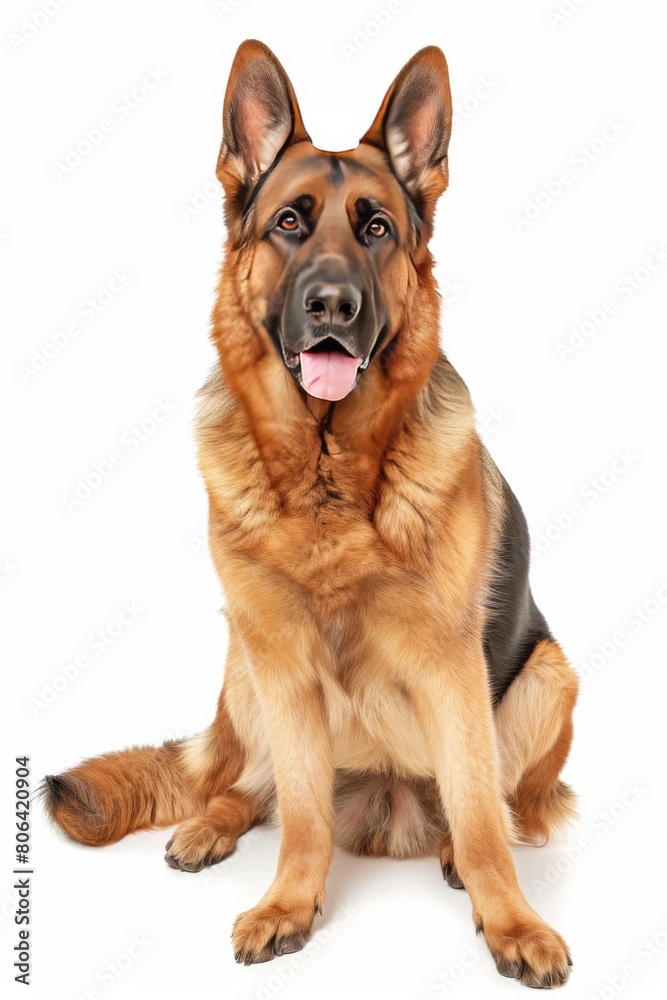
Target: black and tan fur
(390, 684)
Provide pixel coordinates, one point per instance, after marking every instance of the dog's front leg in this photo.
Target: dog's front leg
(284, 653)
(451, 701)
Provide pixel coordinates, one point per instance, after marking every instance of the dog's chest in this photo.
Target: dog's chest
(331, 520)
(328, 551)
(372, 726)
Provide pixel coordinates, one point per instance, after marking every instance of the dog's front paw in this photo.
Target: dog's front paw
(271, 929)
(530, 951)
(198, 843)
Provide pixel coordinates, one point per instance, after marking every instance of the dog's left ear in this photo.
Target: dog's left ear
(413, 126)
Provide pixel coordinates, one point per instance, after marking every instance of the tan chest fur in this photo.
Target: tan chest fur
(331, 537)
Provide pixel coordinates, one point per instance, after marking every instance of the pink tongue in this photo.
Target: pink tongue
(328, 374)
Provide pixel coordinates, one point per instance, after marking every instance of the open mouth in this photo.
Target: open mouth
(327, 370)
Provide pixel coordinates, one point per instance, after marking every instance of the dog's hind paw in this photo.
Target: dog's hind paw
(198, 843)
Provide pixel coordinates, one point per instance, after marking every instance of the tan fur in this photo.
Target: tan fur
(532, 758)
(210, 836)
(356, 545)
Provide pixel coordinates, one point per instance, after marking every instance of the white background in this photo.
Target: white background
(532, 91)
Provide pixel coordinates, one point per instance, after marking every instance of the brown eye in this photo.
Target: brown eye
(377, 229)
(288, 222)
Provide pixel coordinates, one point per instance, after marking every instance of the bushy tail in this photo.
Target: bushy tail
(104, 798)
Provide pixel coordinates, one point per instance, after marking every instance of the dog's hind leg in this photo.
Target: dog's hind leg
(206, 839)
(534, 730)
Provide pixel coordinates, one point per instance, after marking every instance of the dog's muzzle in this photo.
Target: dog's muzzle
(328, 328)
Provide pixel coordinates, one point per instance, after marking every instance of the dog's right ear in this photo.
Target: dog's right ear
(260, 119)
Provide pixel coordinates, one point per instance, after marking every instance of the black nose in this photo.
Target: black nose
(329, 303)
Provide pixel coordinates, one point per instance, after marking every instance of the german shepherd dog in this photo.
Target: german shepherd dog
(390, 685)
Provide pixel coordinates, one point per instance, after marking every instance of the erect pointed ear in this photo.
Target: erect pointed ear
(260, 118)
(413, 126)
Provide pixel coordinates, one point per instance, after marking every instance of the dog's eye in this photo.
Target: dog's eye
(377, 228)
(288, 222)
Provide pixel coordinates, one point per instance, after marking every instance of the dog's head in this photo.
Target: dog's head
(338, 240)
